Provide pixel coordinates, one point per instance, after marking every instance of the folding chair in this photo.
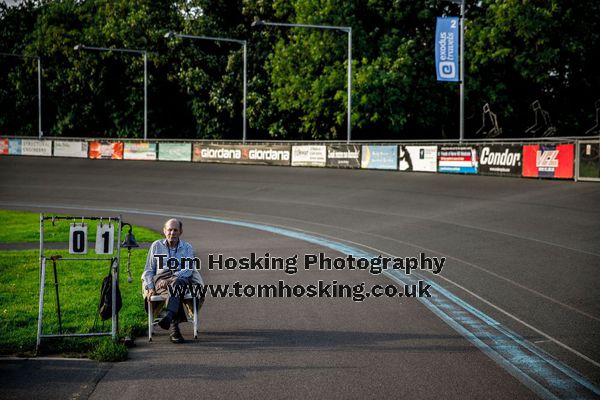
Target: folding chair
(157, 299)
(196, 305)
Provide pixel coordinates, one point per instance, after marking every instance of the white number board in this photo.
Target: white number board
(105, 237)
(78, 239)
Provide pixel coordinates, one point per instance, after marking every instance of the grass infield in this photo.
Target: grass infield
(79, 284)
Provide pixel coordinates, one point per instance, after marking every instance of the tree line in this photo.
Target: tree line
(516, 52)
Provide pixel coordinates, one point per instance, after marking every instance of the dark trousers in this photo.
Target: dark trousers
(174, 303)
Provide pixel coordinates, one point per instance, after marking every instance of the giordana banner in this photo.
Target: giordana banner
(242, 154)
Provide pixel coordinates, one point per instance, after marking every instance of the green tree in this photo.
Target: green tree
(521, 51)
(18, 76)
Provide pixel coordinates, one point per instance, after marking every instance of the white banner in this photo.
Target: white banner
(33, 147)
(417, 158)
(64, 148)
(309, 156)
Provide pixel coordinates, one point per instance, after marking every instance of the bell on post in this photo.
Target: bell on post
(129, 241)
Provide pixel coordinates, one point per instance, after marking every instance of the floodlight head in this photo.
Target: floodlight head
(79, 47)
(258, 23)
(169, 35)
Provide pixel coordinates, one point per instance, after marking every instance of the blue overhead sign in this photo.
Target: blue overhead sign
(447, 49)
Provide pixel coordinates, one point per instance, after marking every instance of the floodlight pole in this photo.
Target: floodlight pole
(39, 65)
(169, 35)
(346, 29)
(39, 75)
(462, 71)
(145, 54)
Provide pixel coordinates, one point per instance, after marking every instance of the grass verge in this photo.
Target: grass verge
(79, 284)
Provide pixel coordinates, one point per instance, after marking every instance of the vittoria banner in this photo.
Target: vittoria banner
(457, 159)
(548, 161)
(106, 150)
(242, 154)
(343, 156)
(501, 159)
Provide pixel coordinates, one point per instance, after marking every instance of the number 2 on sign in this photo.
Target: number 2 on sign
(105, 235)
(78, 239)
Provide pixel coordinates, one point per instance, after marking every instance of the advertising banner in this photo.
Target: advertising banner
(309, 156)
(34, 147)
(3, 147)
(64, 148)
(140, 151)
(343, 156)
(14, 147)
(175, 151)
(242, 154)
(417, 158)
(379, 157)
(500, 159)
(447, 49)
(457, 159)
(548, 161)
(589, 160)
(106, 150)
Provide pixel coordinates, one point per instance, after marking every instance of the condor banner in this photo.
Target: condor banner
(343, 156)
(417, 158)
(447, 49)
(106, 150)
(506, 160)
(460, 160)
(548, 161)
(242, 154)
(65, 148)
(175, 151)
(379, 157)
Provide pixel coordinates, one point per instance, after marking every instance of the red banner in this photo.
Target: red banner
(106, 150)
(3, 147)
(548, 161)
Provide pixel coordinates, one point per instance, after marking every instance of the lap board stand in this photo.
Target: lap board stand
(78, 245)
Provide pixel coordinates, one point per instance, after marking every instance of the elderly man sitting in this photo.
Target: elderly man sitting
(168, 266)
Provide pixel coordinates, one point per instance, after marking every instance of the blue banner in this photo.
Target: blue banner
(379, 157)
(447, 49)
(14, 147)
